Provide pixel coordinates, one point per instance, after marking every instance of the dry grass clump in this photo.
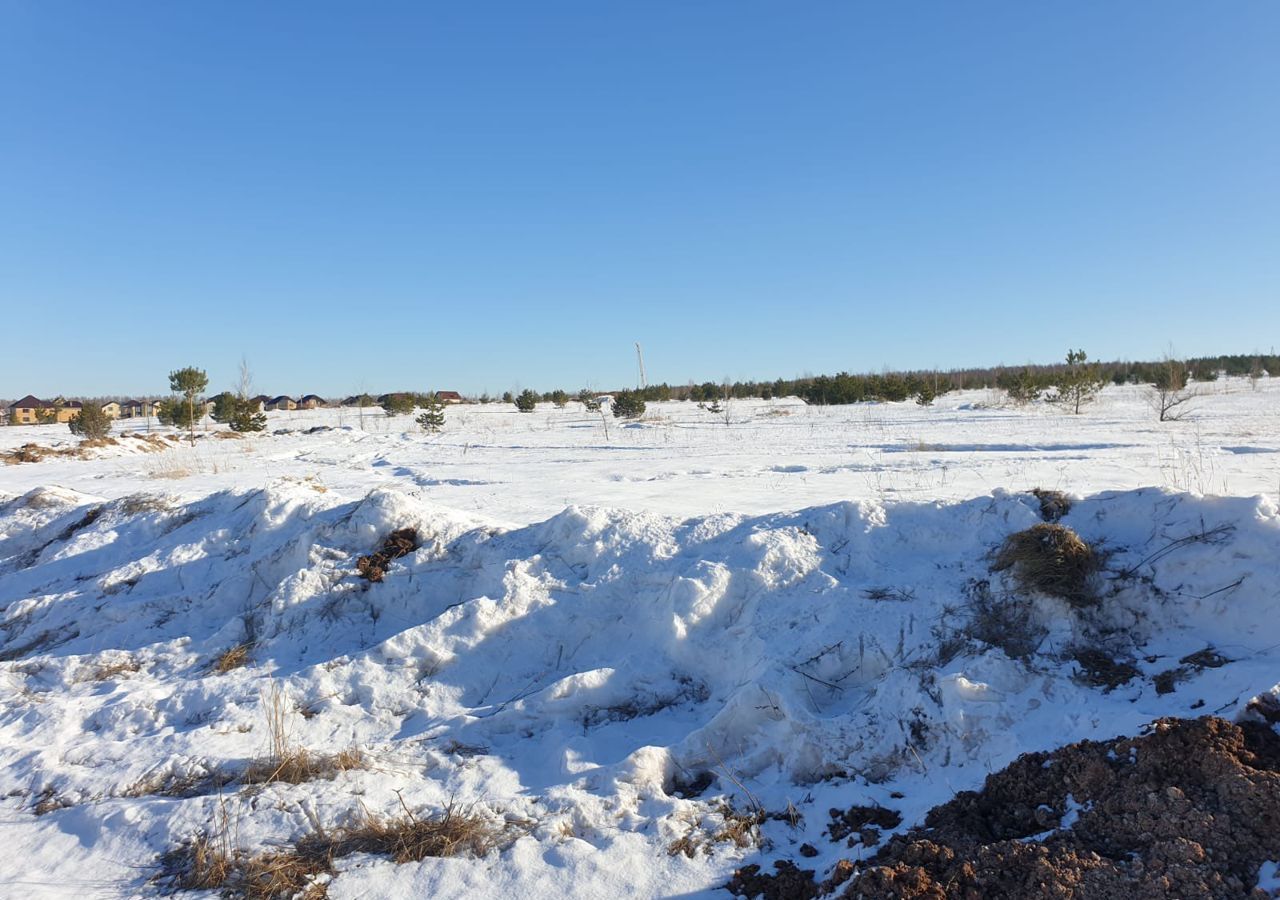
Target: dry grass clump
(288, 762)
(109, 670)
(1053, 504)
(294, 765)
(738, 827)
(137, 504)
(27, 453)
(212, 862)
(206, 862)
(232, 658)
(410, 838)
(1053, 560)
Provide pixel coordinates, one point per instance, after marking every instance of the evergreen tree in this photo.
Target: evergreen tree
(590, 402)
(398, 404)
(627, 405)
(190, 383)
(92, 423)
(225, 408)
(559, 398)
(432, 418)
(1079, 383)
(527, 401)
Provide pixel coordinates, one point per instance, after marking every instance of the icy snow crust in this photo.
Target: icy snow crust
(568, 676)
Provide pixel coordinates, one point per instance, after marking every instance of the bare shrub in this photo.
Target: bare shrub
(1051, 559)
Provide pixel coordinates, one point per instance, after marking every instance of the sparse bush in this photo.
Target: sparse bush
(627, 405)
(92, 424)
(1169, 392)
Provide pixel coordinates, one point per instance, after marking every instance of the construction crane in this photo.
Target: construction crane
(640, 362)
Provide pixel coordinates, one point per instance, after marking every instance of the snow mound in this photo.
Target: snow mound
(580, 674)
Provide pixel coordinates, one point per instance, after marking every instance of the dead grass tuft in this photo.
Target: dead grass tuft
(1053, 504)
(203, 863)
(738, 827)
(288, 762)
(110, 670)
(232, 658)
(213, 862)
(27, 453)
(410, 838)
(1051, 559)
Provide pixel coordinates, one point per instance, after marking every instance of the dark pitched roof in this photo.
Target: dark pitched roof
(448, 395)
(275, 400)
(28, 402)
(311, 397)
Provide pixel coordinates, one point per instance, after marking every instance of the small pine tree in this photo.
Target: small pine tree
(190, 383)
(1079, 383)
(92, 423)
(225, 408)
(627, 405)
(590, 402)
(559, 398)
(432, 418)
(527, 401)
(398, 404)
(925, 394)
(507, 398)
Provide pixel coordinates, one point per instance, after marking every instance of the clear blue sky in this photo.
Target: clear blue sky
(488, 195)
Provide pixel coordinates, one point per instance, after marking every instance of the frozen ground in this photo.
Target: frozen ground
(793, 610)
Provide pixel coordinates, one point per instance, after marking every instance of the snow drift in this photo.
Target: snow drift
(598, 680)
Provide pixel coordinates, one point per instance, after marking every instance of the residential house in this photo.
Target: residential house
(448, 396)
(30, 410)
(130, 409)
(282, 403)
(154, 406)
(311, 401)
(112, 409)
(259, 403)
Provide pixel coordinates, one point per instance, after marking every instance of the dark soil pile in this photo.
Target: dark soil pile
(397, 544)
(1190, 810)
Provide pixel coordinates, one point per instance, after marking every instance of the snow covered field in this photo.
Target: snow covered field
(604, 637)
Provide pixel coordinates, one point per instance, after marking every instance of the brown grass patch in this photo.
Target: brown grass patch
(1053, 560)
(232, 658)
(395, 545)
(212, 862)
(27, 453)
(288, 762)
(410, 838)
(738, 827)
(110, 670)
